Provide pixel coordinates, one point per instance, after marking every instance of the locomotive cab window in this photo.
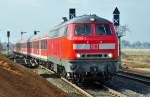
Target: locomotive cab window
(102, 29)
(83, 29)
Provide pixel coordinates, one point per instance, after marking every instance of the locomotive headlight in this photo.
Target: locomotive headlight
(92, 19)
(78, 55)
(110, 55)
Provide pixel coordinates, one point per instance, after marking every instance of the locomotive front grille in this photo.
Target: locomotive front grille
(94, 55)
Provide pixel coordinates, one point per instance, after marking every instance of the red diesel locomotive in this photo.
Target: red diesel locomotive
(85, 47)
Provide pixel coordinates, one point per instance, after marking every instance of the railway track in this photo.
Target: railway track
(62, 83)
(134, 76)
(108, 92)
(103, 91)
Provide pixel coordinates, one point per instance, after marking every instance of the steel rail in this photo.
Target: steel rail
(135, 76)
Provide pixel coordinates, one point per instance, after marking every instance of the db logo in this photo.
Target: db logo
(94, 46)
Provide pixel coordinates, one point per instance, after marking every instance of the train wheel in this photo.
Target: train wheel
(64, 73)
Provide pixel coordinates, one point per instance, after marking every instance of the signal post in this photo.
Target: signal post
(8, 36)
(116, 21)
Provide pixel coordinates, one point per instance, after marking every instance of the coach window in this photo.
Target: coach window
(102, 29)
(23, 45)
(41, 47)
(43, 44)
(33, 44)
(19, 45)
(83, 29)
(30, 44)
(37, 44)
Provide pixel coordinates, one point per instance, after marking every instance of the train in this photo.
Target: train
(82, 48)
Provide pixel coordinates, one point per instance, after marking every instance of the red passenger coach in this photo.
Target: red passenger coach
(85, 47)
(39, 47)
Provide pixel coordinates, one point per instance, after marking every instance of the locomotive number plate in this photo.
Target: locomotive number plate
(94, 46)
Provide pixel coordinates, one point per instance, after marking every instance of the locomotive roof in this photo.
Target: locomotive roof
(83, 19)
(86, 19)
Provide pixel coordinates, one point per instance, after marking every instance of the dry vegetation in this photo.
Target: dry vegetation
(136, 58)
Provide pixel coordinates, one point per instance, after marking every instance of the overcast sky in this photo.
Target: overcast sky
(42, 15)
